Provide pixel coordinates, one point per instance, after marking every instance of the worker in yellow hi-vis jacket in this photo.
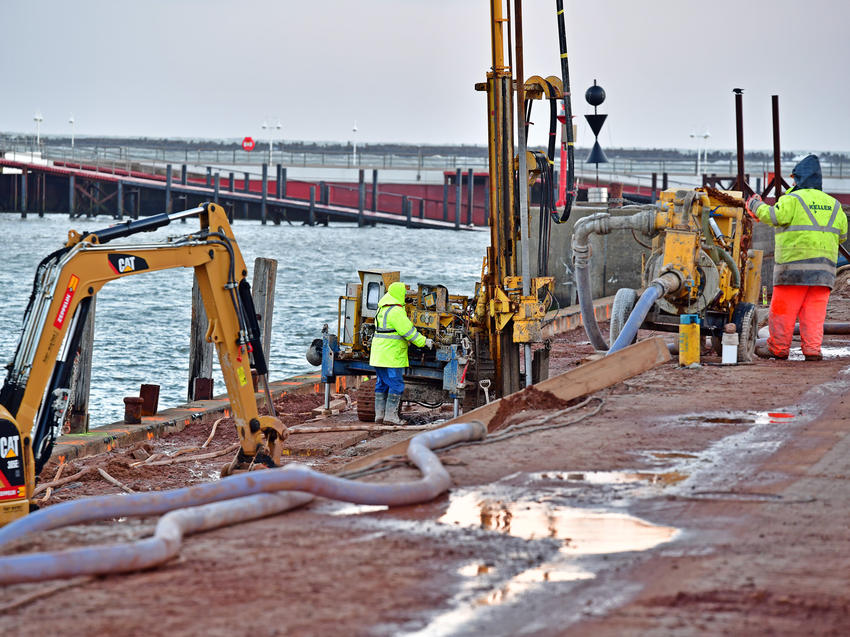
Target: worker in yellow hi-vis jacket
(393, 333)
(809, 227)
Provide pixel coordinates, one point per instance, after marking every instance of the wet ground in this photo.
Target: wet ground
(679, 502)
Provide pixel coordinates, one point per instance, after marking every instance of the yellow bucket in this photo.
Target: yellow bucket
(689, 339)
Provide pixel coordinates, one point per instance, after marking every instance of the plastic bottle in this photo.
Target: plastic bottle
(689, 340)
(729, 341)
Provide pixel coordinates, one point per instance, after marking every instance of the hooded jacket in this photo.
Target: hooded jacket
(809, 226)
(393, 330)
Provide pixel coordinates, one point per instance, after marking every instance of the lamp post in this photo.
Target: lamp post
(71, 122)
(270, 127)
(703, 139)
(354, 148)
(38, 119)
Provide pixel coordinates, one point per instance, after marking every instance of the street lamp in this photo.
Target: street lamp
(265, 126)
(354, 149)
(71, 122)
(703, 139)
(38, 119)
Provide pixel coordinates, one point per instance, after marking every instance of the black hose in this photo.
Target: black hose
(568, 115)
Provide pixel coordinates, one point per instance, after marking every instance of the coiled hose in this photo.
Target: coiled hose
(235, 499)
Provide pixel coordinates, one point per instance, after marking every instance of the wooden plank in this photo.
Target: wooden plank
(583, 380)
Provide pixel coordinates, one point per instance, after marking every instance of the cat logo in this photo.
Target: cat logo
(126, 263)
(9, 446)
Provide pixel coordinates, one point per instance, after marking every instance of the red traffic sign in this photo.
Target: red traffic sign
(248, 144)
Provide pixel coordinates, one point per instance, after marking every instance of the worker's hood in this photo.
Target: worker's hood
(394, 295)
(808, 173)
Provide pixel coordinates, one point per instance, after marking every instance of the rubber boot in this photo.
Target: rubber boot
(380, 405)
(391, 412)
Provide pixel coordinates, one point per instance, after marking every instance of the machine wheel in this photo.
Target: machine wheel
(624, 302)
(747, 331)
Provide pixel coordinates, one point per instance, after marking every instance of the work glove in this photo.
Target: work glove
(429, 343)
(752, 205)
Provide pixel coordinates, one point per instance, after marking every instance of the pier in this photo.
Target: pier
(39, 186)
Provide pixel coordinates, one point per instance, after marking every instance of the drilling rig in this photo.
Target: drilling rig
(489, 343)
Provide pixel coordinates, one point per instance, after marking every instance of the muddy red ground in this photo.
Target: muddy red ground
(742, 471)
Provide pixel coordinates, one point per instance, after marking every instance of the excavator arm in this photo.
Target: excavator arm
(34, 397)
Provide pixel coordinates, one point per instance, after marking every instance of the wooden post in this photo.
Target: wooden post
(264, 206)
(312, 218)
(200, 351)
(183, 174)
(278, 182)
(469, 196)
(458, 196)
(283, 183)
(168, 200)
(43, 203)
(406, 207)
(231, 185)
(375, 190)
(422, 208)
(265, 278)
(445, 198)
(361, 198)
(217, 187)
(78, 405)
(71, 195)
(24, 193)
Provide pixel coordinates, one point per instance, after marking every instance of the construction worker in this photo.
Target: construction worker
(393, 332)
(809, 226)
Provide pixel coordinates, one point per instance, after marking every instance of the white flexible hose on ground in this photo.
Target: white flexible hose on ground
(235, 499)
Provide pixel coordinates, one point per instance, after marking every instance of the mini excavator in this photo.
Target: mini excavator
(35, 395)
(483, 343)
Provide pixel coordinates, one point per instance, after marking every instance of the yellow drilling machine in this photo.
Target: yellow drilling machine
(483, 343)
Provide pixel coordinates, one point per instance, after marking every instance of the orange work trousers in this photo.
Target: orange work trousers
(789, 303)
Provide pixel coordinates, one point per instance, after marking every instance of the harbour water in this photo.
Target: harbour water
(142, 322)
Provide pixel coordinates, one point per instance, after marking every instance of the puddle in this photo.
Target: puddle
(583, 531)
(345, 508)
(582, 534)
(829, 353)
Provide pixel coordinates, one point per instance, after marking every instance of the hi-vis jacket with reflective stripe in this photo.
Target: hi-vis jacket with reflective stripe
(809, 226)
(393, 331)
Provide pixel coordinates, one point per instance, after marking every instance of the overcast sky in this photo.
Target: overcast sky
(404, 70)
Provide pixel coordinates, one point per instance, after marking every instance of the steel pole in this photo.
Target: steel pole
(522, 181)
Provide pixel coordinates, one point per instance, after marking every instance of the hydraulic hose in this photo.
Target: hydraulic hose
(234, 499)
(569, 195)
(729, 261)
(664, 284)
(600, 223)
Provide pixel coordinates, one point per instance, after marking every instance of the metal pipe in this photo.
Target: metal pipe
(833, 328)
(522, 181)
(777, 153)
(601, 223)
(235, 499)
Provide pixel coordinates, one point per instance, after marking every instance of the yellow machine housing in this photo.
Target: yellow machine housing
(703, 236)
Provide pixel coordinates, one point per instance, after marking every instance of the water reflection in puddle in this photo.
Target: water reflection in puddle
(583, 531)
(531, 512)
